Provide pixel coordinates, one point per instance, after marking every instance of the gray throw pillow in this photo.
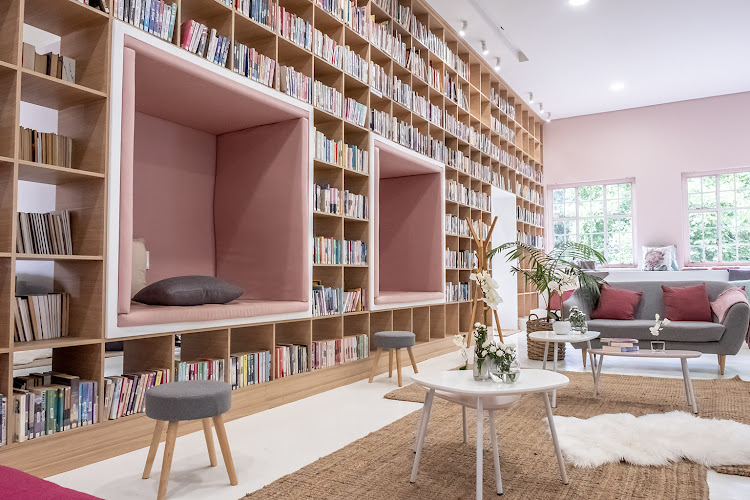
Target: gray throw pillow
(739, 274)
(188, 291)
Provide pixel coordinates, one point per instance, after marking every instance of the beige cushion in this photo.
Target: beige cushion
(138, 281)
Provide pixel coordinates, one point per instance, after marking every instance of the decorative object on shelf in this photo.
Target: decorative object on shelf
(459, 340)
(561, 327)
(481, 352)
(505, 368)
(660, 258)
(658, 345)
(577, 320)
(481, 275)
(549, 273)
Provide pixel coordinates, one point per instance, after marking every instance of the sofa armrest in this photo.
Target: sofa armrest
(736, 322)
(579, 300)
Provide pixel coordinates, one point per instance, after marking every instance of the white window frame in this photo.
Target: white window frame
(687, 211)
(604, 183)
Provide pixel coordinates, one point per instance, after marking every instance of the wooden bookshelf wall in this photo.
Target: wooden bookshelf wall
(83, 115)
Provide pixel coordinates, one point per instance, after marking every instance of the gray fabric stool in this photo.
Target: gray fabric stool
(393, 341)
(204, 400)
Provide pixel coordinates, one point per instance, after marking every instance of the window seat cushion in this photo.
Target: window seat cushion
(399, 297)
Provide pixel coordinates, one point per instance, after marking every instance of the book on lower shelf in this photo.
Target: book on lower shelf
(290, 359)
(355, 300)
(295, 84)
(457, 292)
(46, 147)
(249, 368)
(328, 353)
(619, 345)
(354, 253)
(126, 394)
(50, 64)
(327, 301)
(201, 40)
(41, 316)
(44, 233)
(355, 205)
(51, 402)
(153, 16)
(201, 369)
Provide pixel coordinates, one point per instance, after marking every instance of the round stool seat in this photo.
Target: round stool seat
(394, 340)
(189, 400)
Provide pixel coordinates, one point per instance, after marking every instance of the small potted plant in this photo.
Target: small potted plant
(658, 345)
(578, 320)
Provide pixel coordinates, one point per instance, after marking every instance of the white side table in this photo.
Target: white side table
(553, 338)
(459, 386)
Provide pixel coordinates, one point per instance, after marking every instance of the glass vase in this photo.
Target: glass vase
(658, 346)
(506, 375)
(481, 369)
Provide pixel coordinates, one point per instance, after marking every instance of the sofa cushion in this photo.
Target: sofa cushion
(188, 291)
(676, 331)
(689, 303)
(617, 303)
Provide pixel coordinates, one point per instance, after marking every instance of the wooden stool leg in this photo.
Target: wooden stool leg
(375, 364)
(221, 433)
(209, 441)
(166, 465)
(154, 448)
(398, 365)
(413, 359)
(390, 363)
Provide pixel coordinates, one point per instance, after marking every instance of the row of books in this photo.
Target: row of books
(355, 112)
(327, 301)
(154, 16)
(354, 253)
(328, 353)
(327, 98)
(295, 84)
(249, 368)
(326, 250)
(534, 240)
(619, 345)
(327, 49)
(50, 64)
(527, 193)
(457, 192)
(337, 152)
(463, 259)
(457, 292)
(327, 199)
(41, 317)
(126, 395)
(198, 39)
(3, 420)
(262, 11)
(529, 217)
(502, 103)
(51, 402)
(290, 359)
(254, 65)
(297, 30)
(46, 147)
(204, 369)
(47, 234)
(354, 300)
(355, 205)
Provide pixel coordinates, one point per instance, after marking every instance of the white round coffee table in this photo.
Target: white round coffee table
(553, 338)
(459, 385)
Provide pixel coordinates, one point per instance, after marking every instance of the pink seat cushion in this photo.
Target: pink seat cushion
(387, 297)
(18, 485)
(141, 314)
(687, 303)
(616, 303)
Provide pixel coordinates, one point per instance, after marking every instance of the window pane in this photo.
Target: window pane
(694, 185)
(558, 195)
(742, 180)
(709, 183)
(695, 201)
(558, 210)
(709, 199)
(625, 191)
(726, 199)
(726, 182)
(729, 253)
(696, 254)
(570, 209)
(570, 195)
(711, 253)
(743, 253)
(743, 198)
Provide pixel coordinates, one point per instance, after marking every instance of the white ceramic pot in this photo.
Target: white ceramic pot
(561, 327)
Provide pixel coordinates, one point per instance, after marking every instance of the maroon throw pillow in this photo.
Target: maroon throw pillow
(687, 303)
(616, 303)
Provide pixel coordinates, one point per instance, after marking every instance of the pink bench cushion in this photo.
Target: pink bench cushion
(142, 315)
(389, 297)
(18, 485)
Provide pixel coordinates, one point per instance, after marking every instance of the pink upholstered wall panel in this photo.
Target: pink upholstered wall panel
(174, 194)
(410, 226)
(375, 219)
(261, 210)
(125, 263)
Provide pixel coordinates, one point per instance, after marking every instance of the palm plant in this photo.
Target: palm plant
(553, 271)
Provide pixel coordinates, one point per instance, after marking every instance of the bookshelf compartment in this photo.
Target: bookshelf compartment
(421, 323)
(452, 319)
(356, 324)
(8, 110)
(252, 338)
(402, 320)
(211, 13)
(381, 321)
(209, 345)
(328, 328)
(84, 361)
(10, 15)
(7, 206)
(437, 322)
(289, 335)
(148, 353)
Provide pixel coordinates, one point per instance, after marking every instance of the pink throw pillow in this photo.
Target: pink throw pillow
(617, 303)
(688, 303)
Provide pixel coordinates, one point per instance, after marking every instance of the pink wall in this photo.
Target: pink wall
(654, 145)
(173, 176)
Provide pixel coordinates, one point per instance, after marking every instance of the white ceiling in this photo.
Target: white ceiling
(662, 50)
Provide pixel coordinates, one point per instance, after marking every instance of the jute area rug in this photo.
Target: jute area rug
(378, 466)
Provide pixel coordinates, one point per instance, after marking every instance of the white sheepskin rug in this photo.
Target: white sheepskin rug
(657, 439)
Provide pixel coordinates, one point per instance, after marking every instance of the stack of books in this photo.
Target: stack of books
(249, 368)
(49, 64)
(50, 402)
(41, 317)
(291, 359)
(126, 395)
(619, 345)
(46, 147)
(203, 369)
(47, 234)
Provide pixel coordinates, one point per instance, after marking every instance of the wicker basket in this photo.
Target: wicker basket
(535, 349)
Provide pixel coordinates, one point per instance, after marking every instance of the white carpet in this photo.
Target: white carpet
(653, 439)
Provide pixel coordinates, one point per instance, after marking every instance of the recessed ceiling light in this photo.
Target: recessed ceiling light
(531, 98)
(578, 3)
(549, 117)
(617, 86)
(464, 28)
(497, 65)
(485, 51)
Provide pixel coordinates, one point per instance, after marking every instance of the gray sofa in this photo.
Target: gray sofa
(714, 338)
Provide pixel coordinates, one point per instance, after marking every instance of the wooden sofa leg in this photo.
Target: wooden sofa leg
(722, 362)
(583, 353)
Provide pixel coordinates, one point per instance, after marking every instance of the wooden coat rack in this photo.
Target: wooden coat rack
(482, 246)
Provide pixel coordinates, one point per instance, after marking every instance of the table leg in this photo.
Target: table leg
(599, 362)
(553, 432)
(480, 446)
(496, 454)
(592, 358)
(463, 414)
(546, 352)
(554, 369)
(689, 385)
(422, 431)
